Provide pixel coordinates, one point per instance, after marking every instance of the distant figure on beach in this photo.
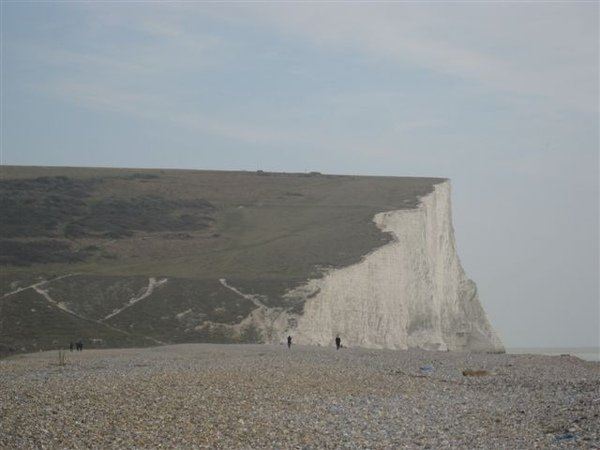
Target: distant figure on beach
(289, 342)
(79, 345)
(338, 342)
(71, 345)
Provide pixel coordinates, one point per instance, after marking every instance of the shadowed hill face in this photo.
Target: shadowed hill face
(263, 232)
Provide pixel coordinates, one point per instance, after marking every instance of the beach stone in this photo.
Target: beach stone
(262, 396)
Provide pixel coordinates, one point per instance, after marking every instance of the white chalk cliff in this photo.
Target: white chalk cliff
(412, 292)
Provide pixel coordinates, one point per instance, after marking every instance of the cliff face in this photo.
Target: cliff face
(411, 292)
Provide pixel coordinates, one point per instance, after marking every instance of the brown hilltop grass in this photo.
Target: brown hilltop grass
(278, 225)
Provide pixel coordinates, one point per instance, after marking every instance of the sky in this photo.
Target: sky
(500, 97)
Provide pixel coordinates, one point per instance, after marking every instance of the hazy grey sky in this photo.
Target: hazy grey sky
(501, 97)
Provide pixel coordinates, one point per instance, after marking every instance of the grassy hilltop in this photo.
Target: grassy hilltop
(102, 237)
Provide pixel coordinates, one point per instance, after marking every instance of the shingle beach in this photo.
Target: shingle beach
(267, 397)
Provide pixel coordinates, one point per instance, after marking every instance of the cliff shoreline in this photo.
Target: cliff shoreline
(410, 293)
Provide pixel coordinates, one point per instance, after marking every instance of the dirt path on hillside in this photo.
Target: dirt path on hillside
(270, 320)
(38, 284)
(62, 307)
(152, 284)
(253, 298)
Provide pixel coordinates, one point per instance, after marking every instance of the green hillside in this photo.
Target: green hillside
(98, 236)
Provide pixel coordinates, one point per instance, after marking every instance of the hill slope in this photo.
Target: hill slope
(123, 257)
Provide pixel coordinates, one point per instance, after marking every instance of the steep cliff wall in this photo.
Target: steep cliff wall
(411, 292)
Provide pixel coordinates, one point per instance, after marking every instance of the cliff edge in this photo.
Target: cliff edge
(412, 292)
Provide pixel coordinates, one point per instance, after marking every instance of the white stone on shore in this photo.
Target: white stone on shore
(253, 396)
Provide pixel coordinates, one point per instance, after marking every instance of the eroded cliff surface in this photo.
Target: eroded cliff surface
(412, 292)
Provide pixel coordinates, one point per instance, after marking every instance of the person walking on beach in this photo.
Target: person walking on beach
(338, 342)
(289, 342)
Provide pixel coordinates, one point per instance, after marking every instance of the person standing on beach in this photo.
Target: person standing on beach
(338, 342)
(289, 342)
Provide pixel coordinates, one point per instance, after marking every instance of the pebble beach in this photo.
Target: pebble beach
(271, 397)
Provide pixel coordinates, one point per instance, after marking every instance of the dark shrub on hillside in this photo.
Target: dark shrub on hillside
(117, 217)
(75, 230)
(62, 206)
(38, 206)
(27, 253)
